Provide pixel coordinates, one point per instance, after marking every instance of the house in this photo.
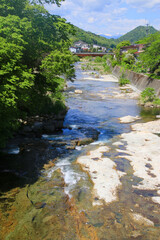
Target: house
(75, 49)
(79, 44)
(96, 46)
(137, 47)
(85, 47)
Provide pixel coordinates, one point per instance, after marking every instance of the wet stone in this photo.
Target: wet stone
(146, 193)
(39, 205)
(148, 165)
(95, 159)
(98, 224)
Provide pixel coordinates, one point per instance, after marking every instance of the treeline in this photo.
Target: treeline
(34, 62)
(91, 38)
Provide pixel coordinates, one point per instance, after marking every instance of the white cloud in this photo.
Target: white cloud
(143, 3)
(109, 35)
(106, 16)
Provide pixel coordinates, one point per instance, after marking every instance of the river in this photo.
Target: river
(64, 199)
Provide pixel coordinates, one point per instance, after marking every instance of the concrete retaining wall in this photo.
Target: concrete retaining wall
(140, 81)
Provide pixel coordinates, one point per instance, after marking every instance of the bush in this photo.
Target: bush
(76, 58)
(88, 58)
(148, 95)
(123, 81)
(106, 68)
(156, 101)
(114, 63)
(157, 71)
(98, 60)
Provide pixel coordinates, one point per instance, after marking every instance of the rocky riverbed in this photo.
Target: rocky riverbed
(97, 179)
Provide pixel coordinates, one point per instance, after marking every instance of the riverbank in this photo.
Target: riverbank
(81, 189)
(138, 80)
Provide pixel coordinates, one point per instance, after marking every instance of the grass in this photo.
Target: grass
(97, 64)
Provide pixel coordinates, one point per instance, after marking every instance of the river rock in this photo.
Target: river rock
(128, 119)
(90, 132)
(152, 127)
(85, 141)
(139, 219)
(77, 91)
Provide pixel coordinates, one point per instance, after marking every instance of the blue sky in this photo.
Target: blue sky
(108, 17)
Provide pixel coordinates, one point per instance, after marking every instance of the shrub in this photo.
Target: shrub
(76, 58)
(106, 68)
(148, 95)
(114, 63)
(88, 58)
(156, 101)
(98, 59)
(157, 71)
(123, 81)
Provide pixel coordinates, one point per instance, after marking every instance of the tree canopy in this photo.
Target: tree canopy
(150, 58)
(34, 60)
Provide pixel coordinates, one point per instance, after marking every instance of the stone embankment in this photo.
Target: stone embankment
(139, 80)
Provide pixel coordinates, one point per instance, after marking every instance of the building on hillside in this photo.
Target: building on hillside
(75, 49)
(137, 47)
(82, 46)
(96, 46)
(79, 44)
(104, 49)
(85, 47)
(99, 48)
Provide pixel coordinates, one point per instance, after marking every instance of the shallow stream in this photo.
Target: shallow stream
(60, 203)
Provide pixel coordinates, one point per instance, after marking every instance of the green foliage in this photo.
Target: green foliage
(58, 2)
(76, 58)
(123, 43)
(106, 68)
(148, 95)
(88, 58)
(150, 58)
(156, 101)
(34, 62)
(128, 58)
(157, 71)
(138, 67)
(98, 60)
(123, 81)
(136, 34)
(114, 63)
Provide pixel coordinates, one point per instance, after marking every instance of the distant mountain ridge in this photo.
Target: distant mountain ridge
(137, 34)
(110, 37)
(109, 42)
(91, 38)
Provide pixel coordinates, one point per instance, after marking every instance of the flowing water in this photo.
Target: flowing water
(57, 203)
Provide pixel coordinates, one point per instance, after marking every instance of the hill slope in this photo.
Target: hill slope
(136, 34)
(91, 38)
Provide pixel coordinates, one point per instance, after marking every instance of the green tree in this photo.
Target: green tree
(123, 44)
(150, 58)
(34, 61)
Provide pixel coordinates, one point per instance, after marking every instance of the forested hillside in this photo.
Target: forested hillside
(91, 38)
(34, 62)
(137, 34)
